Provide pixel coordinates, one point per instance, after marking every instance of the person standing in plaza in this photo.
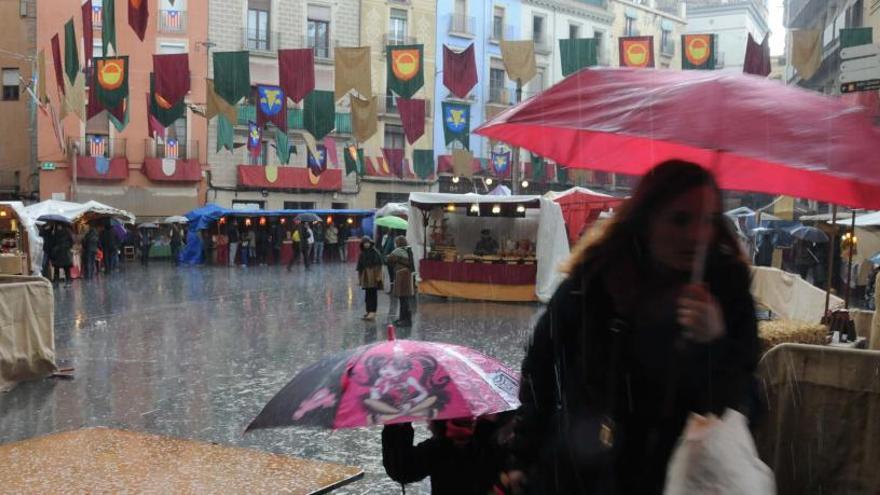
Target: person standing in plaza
(331, 237)
(110, 247)
(401, 264)
(387, 248)
(175, 244)
(307, 242)
(89, 252)
(369, 268)
(318, 254)
(46, 233)
(296, 237)
(276, 240)
(344, 233)
(62, 259)
(232, 235)
(146, 245)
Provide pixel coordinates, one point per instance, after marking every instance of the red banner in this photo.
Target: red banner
(284, 177)
(100, 168)
(444, 165)
(171, 170)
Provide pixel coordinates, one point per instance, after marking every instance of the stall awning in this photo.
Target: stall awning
(284, 177)
(171, 170)
(429, 200)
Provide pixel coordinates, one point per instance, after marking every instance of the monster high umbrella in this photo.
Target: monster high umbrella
(396, 381)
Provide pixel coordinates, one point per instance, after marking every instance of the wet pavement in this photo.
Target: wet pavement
(195, 352)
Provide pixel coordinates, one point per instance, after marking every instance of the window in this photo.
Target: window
(172, 47)
(299, 205)
(319, 31)
(340, 206)
(574, 31)
(538, 30)
(629, 28)
(390, 102)
(667, 46)
(394, 136)
(10, 84)
(496, 85)
(599, 36)
(498, 24)
(397, 30)
(247, 204)
(258, 24)
(536, 85)
(460, 8)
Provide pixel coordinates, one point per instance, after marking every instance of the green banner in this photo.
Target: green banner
(856, 36)
(319, 113)
(354, 160)
(698, 52)
(282, 146)
(119, 124)
(165, 112)
(110, 80)
(108, 27)
(561, 175)
(539, 168)
(423, 163)
(232, 75)
(406, 73)
(575, 54)
(71, 53)
(225, 133)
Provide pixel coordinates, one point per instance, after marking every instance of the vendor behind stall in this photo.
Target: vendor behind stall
(487, 245)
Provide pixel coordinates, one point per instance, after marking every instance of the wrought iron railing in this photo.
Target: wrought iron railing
(171, 148)
(172, 21)
(97, 146)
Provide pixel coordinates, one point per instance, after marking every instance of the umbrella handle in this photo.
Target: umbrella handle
(391, 333)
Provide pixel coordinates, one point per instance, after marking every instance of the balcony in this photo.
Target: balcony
(179, 150)
(543, 45)
(248, 113)
(97, 146)
(393, 39)
(172, 21)
(500, 96)
(498, 33)
(97, 16)
(323, 51)
(462, 25)
(264, 43)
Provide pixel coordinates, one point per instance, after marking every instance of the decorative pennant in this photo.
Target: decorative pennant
(88, 33)
(412, 116)
(232, 75)
(56, 61)
(462, 163)
(172, 76)
(119, 116)
(282, 146)
(272, 171)
(698, 52)
(501, 163)
(352, 71)
(364, 116)
(806, 52)
(218, 106)
(111, 80)
(757, 60)
(225, 133)
(319, 113)
(138, 16)
(459, 70)
(405, 69)
(271, 107)
(296, 72)
(394, 160)
(317, 160)
(255, 140)
(423, 163)
(164, 111)
(519, 60)
(71, 53)
(539, 168)
(354, 160)
(330, 146)
(636, 51)
(42, 97)
(169, 164)
(108, 28)
(575, 54)
(456, 123)
(75, 98)
(153, 126)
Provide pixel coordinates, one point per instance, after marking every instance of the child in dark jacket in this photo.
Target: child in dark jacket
(462, 457)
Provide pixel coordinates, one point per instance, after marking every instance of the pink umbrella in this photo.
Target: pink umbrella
(755, 134)
(390, 382)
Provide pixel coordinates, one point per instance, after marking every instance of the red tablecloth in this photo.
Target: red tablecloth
(478, 273)
(353, 246)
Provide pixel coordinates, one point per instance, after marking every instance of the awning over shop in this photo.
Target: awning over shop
(284, 177)
(171, 170)
(74, 211)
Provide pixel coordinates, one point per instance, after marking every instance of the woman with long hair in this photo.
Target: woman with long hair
(655, 320)
(369, 268)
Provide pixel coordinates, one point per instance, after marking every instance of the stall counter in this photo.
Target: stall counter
(481, 281)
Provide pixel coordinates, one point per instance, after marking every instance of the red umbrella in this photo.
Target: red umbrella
(755, 134)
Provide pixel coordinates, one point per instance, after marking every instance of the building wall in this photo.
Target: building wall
(158, 199)
(17, 51)
(732, 24)
(649, 22)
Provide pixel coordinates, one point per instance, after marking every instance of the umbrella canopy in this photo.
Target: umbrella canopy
(55, 218)
(148, 226)
(810, 234)
(393, 382)
(307, 217)
(176, 219)
(396, 209)
(755, 134)
(392, 223)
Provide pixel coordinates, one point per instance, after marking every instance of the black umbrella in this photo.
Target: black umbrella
(54, 218)
(307, 217)
(810, 234)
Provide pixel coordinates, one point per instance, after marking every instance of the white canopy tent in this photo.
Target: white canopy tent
(866, 220)
(542, 215)
(73, 211)
(35, 242)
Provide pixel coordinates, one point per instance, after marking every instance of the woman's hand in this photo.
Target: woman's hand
(700, 314)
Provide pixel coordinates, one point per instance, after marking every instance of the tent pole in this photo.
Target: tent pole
(852, 247)
(831, 258)
(514, 173)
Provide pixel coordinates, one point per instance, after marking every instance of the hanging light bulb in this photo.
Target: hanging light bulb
(450, 207)
(520, 209)
(496, 209)
(455, 179)
(475, 208)
(524, 184)
(489, 181)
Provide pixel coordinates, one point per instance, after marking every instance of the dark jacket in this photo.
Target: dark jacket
(62, 243)
(471, 469)
(659, 380)
(90, 241)
(175, 237)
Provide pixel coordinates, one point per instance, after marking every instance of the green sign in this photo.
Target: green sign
(48, 166)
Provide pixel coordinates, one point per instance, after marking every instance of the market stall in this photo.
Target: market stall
(581, 207)
(21, 247)
(483, 247)
(27, 331)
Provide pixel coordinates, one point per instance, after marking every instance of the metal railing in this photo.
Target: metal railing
(97, 146)
(668, 48)
(172, 21)
(170, 148)
(543, 44)
(261, 42)
(462, 24)
(322, 52)
(500, 96)
(391, 39)
(501, 33)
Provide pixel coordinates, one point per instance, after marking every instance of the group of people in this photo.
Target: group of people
(398, 259)
(654, 321)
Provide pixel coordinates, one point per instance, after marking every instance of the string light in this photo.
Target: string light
(349, 221)
(496, 209)
(450, 207)
(489, 181)
(455, 180)
(520, 209)
(525, 184)
(475, 208)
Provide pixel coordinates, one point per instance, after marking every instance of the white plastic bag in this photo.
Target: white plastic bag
(718, 456)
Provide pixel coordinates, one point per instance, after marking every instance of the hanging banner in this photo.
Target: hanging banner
(412, 116)
(354, 160)
(423, 163)
(405, 69)
(519, 60)
(216, 105)
(163, 110)
(108, 28)
(138, 16)
(111, 80)
(352, 72)
(698, 52)
(271, 107)
(575, 54)
(154, 127)
(317, 160)
(319, 113)
(296, 72)
(41, 77)
(364, 116)
(225, 133)
(394, 159)
(56, 61)
(88, 33)
(757, 60)
(75, 99)
(501, 163)
(232, 75)
(282, 146)
(172, 76)
(637, 51)
(71, 53)
(459, 70)
(456, 123)
(539, 168)
(255, 140)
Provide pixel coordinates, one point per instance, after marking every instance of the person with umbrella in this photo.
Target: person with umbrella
(318, 232)
(331, 238)
(401, 265)
(175, 243)
(369, 268)
(89, 251)
(109, 247)
(647, 328)
(62, 259)
(146, 231)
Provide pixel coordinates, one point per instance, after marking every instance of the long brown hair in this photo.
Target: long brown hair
(624, 238)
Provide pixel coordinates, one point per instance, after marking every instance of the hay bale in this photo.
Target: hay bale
(775, 332)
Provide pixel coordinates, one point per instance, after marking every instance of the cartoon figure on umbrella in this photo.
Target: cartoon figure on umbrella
(395, 391)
